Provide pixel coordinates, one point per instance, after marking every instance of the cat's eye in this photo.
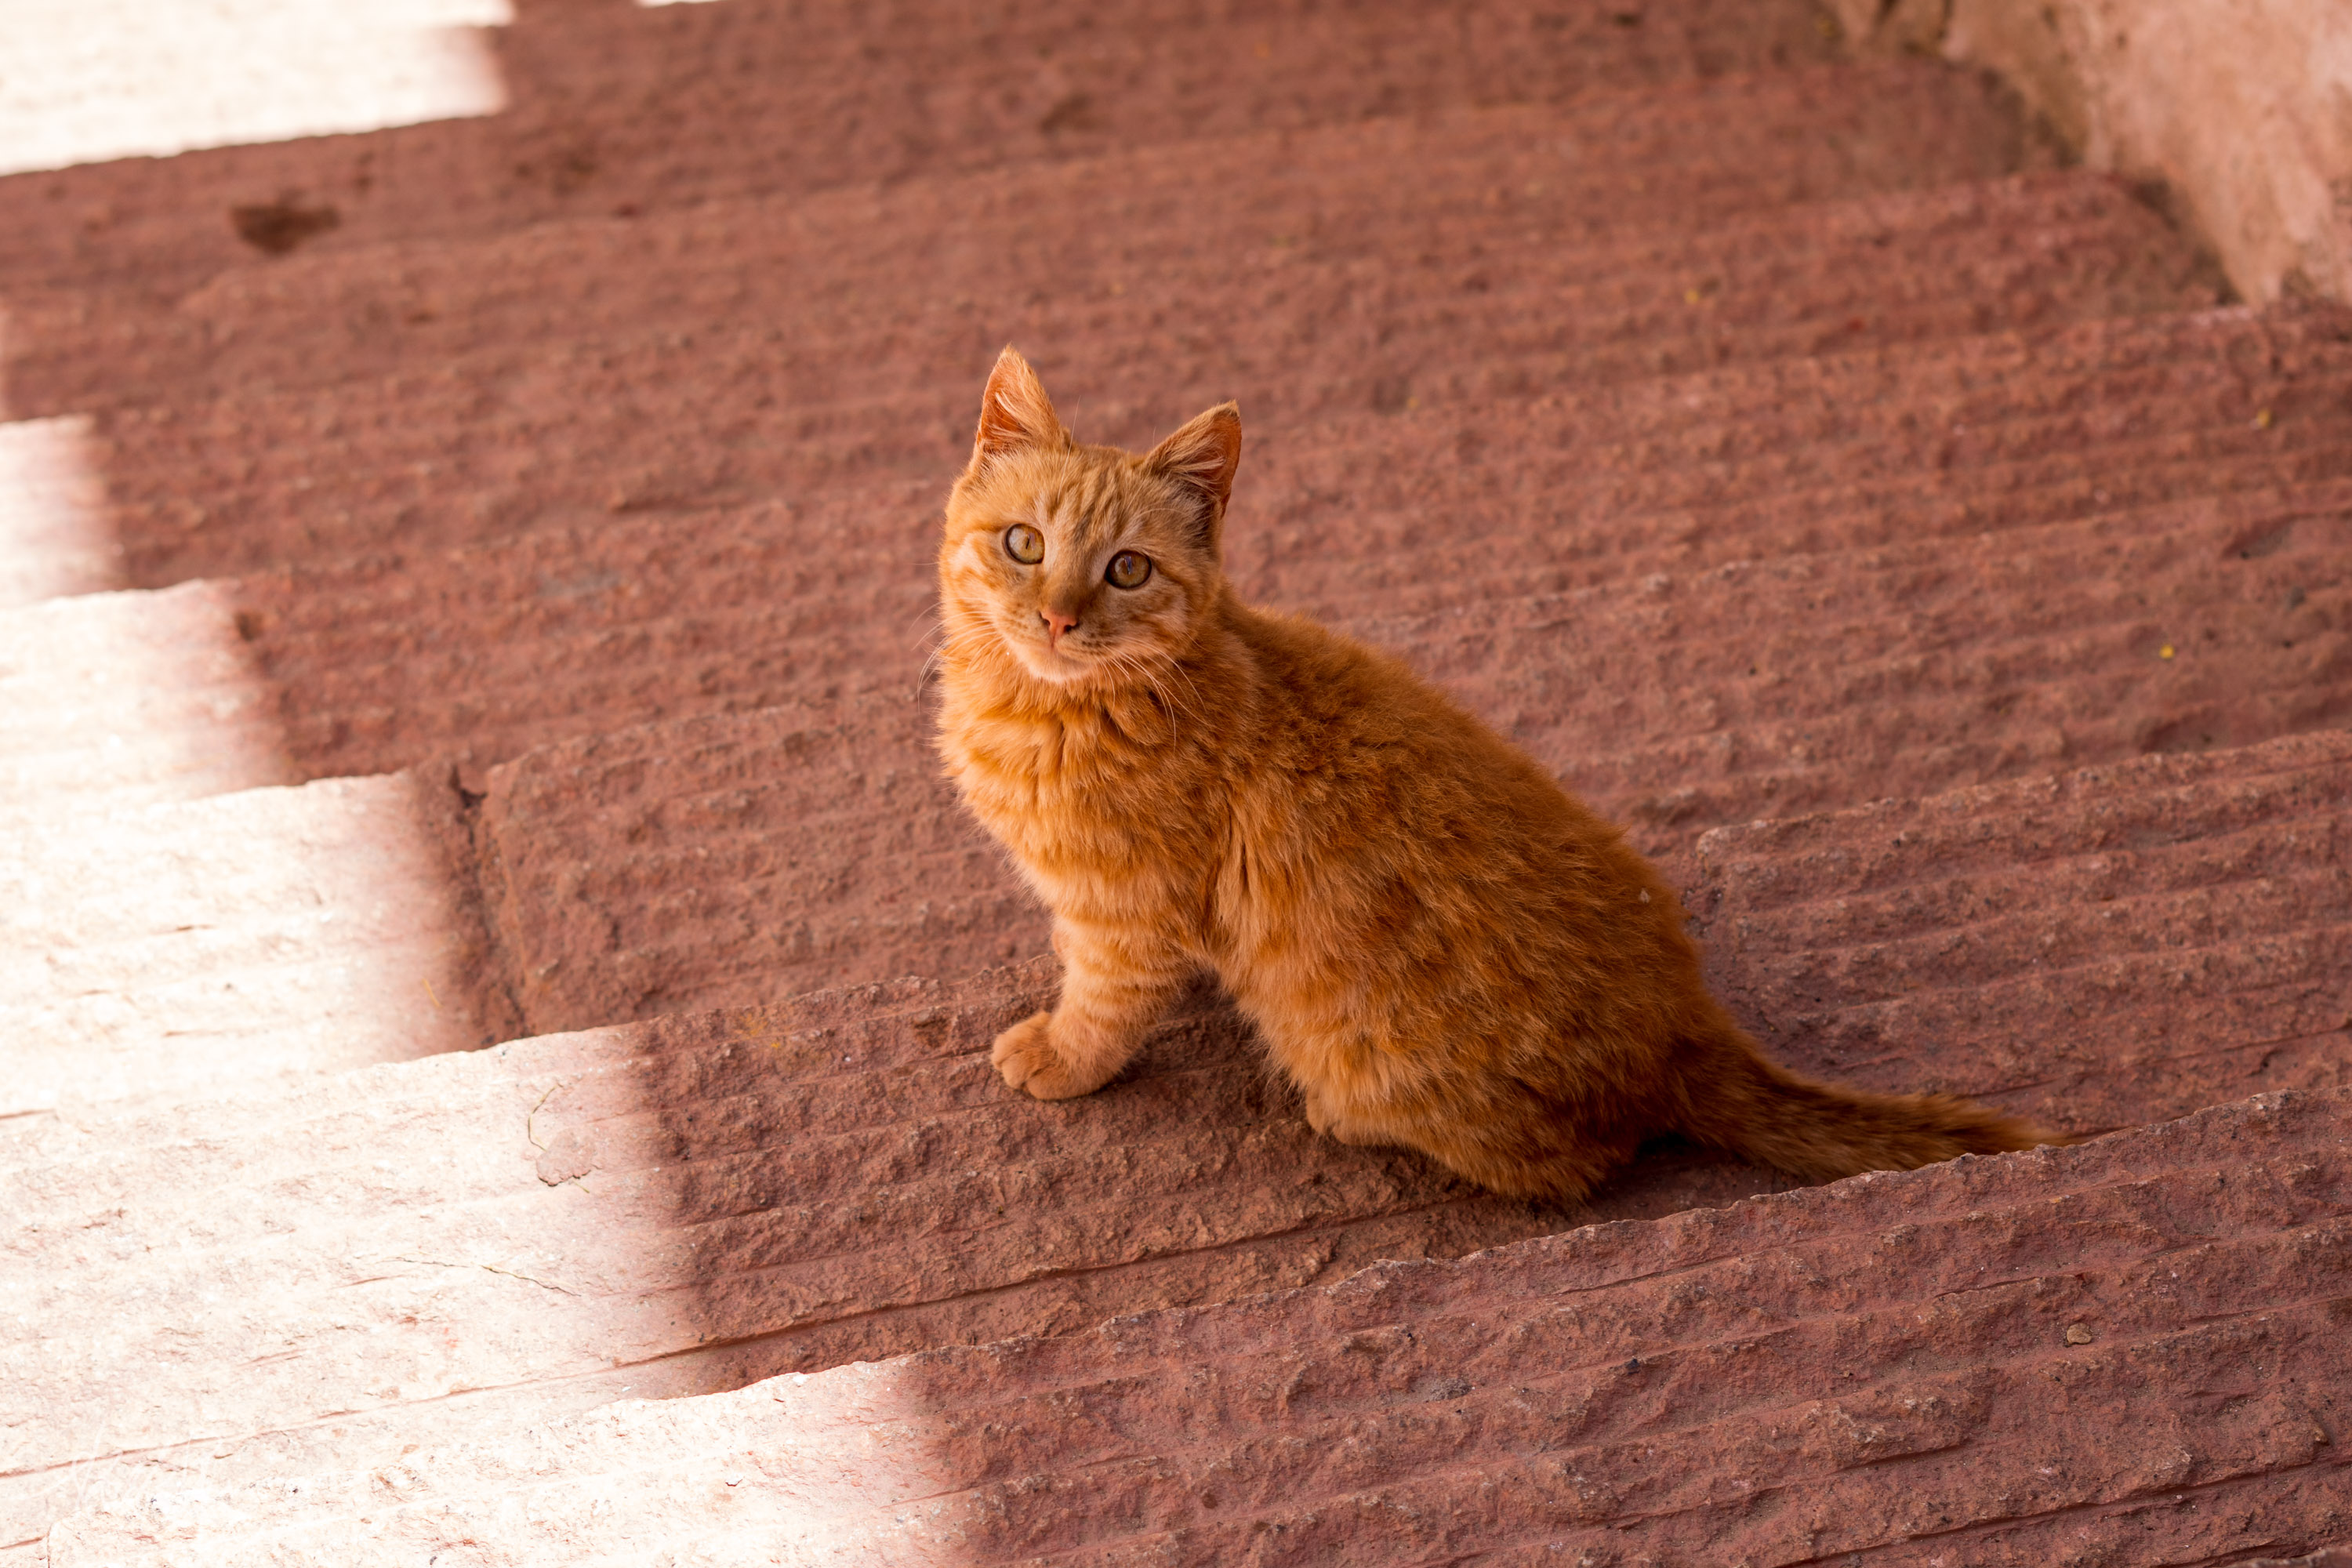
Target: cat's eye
(1024, 545)
(1129, 569)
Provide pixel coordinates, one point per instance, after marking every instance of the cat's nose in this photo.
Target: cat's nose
(1056, 623)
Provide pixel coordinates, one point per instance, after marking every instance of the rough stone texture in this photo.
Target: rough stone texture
(615, 107)
(362, 1262)
(2101, 1354)
(731, 860)
(1806, 437)
(564, 359)
(684, 1205)
(2238, 111)
(1508, 185)
(740, 859)
(479, 652)
(164, 950)
(2101, 948)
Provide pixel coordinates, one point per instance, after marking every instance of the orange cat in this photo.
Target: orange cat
(1440, 947)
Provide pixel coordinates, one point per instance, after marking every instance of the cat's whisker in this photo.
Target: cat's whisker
(953, 639)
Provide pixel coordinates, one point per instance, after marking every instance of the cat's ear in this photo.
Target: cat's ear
(1202, 456)
(1014, 412)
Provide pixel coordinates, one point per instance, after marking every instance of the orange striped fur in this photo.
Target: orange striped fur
(1439, 946)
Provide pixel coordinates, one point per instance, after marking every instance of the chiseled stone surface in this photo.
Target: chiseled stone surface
(479, 652)
(723, 860)
(658, 109)
(1750, 434)
(435, 392)
(2102, 947)
(247, 1286)
(687, 1204)
(2062, 1357)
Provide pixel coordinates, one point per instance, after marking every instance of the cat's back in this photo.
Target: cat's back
(1360, 758)
(1334, 703)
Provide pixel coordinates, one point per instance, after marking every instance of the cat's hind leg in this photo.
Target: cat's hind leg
(1116, 983)
(1332, 1121)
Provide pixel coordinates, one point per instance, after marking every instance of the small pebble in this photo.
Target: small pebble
(2078, 1333)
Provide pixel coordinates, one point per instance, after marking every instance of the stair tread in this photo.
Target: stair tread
(660, 109)
(1879, 516)
(1302, 231)
(2014, 1329)
(200, 495)
(183, 946)
(786, 1187)
(671, 850)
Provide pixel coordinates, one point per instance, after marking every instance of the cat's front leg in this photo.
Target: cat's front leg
(1116, 983)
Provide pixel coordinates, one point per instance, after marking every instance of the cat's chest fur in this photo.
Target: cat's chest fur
(1090, 803)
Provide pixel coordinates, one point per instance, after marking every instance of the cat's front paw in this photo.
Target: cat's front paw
(1025, 1054)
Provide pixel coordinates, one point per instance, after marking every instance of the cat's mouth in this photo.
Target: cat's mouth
(1060, 663)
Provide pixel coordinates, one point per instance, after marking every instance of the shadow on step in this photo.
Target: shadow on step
(846, 1178)
(843, 1177)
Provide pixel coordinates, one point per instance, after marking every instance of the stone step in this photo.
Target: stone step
(671, 852)
(432, 441)
(348, 480)
(452, 457)
(356, 1263)
(157, 952)
(477, 655)
(1806, 683)
(173, 924)
(531, 412)
(2128, 1351)
(652, 109)
(2133, 941)
(114, 700)
(1464, 194)
(380, 1258)
(1574, 479)
(1545, 284)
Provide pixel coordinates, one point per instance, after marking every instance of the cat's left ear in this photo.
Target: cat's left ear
(1202, 456)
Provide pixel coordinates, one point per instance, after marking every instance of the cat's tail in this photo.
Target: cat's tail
(1741, 1100)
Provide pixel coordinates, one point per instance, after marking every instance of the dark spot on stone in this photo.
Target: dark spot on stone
(277, 227)
(1074, 112)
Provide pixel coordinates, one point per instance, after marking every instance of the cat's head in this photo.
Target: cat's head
(1086, 564)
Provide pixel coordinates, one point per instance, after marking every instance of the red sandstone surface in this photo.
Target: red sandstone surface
(526, 591)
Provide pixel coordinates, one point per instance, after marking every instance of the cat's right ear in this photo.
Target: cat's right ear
(1014, 412)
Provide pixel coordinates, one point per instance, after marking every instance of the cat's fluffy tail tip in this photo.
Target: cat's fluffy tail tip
(1822, 1132)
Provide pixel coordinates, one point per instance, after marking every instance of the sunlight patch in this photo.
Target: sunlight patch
(86, 81)
(55, 536)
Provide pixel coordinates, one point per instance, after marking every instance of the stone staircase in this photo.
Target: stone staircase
(496, 994)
